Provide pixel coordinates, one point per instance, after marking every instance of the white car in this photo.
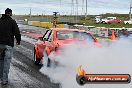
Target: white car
(128, 22)
(98, 19)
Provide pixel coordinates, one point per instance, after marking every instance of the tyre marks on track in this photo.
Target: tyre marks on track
(23, 72)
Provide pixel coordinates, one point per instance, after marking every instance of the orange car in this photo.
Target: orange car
(114, 21)
(58, 37)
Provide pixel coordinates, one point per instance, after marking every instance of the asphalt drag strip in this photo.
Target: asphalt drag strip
(23, 72)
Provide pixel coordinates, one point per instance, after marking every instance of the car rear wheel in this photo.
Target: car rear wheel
(103, 22)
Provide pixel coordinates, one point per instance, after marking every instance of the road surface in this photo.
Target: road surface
(23, 72)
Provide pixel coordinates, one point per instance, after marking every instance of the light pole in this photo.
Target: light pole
(72, 7)
(130, 17)
(76, 11)
(82, 8)
(72, 10)
(30, 10)
(30, 13)
(86, 8)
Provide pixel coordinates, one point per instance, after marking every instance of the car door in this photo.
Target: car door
(40, 45)
(50, 42)
(50, 46)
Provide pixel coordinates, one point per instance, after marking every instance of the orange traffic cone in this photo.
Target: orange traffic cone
(113, 35)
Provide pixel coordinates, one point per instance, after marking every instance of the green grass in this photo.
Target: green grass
(89, 21)
(110, 25)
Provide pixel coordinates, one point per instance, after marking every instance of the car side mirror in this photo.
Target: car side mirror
(40, 38)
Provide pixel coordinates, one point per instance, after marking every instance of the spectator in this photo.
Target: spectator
(8, 29)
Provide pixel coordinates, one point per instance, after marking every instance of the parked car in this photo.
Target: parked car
(98, 19)
(111, 20)
(56, 38)
(104, 20)
(114, 21)
(128, 22)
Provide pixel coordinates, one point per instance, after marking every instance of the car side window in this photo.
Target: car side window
(50, 37)
(46, 36)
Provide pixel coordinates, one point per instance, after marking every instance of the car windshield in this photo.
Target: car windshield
(62, 35)
(109, 18)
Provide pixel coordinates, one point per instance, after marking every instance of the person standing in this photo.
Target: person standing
(8, 30)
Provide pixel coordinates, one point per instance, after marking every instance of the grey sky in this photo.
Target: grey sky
(49, 6)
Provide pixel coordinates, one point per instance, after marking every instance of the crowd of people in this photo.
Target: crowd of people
(118, 33)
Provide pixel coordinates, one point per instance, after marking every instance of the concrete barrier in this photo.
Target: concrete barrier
(60, 25)
(36, 23)
(45, 24)
(50, 25)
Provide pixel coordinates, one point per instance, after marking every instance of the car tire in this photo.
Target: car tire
(46, 60)
(36, 61)
(103, 22)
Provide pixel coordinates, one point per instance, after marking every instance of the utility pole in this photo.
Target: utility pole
(76, 10)
(72, 7)
(86, 8)
(130, 16)
(30, 13)
(72, 10)
(82, 8)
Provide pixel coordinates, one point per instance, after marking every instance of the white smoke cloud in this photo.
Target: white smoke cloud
(115, 58)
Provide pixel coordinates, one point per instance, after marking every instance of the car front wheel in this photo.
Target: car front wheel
(36, 61)
(46, 60)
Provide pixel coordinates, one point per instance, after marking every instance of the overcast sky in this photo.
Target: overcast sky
(65, 6)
